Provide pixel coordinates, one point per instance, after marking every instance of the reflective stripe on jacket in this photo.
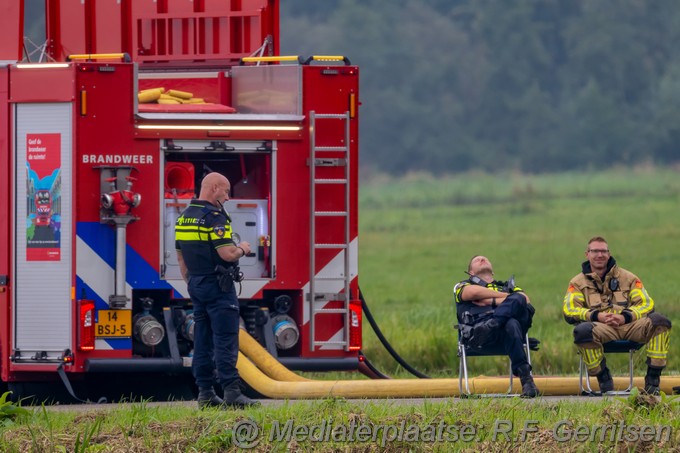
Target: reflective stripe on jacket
(620, 292)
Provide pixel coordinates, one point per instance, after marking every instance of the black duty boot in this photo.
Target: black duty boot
(604, 378)
(208, 398)
(653, 380)
(529, 389)
(233, 396)
(482, 332)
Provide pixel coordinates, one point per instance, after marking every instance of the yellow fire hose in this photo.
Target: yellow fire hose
(270, 378)
(264, 361)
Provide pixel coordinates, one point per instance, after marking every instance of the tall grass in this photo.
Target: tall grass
(524, 426)
(418, 233)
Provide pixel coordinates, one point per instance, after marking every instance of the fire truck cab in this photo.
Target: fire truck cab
(118, 117)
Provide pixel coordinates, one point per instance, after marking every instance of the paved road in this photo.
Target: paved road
(277, 403)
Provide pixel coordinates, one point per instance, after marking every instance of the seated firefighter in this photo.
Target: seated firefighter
(492, 311)
(609, 303)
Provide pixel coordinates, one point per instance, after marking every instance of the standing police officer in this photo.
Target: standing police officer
(204, 246)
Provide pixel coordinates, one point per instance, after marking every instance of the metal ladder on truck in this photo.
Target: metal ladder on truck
(342, 214)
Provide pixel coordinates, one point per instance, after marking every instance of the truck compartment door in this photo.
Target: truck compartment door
(43, 231)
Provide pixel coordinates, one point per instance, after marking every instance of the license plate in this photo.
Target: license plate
(114, 323)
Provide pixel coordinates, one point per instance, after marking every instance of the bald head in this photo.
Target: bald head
(215, 188)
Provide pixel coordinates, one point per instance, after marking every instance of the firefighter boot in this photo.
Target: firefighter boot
(529, 389)
(208, 398)
(653, 380)
(604, 378)
(234, 398)
(482, 332)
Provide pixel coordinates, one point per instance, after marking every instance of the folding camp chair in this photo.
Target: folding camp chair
(465, 351)
(611, 347)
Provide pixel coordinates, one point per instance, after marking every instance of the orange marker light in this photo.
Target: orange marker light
(83, 103)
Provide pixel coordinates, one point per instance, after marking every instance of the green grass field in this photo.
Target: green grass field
(417, 235)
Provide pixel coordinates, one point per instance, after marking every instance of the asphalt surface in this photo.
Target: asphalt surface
(277, 403)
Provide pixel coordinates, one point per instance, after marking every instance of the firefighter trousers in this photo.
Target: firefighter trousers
(590, 337)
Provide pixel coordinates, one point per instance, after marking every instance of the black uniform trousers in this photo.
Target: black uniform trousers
(514, 317)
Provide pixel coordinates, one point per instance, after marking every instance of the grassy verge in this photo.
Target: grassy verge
(631, 424)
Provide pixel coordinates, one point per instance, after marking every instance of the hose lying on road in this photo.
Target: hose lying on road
(262, 380)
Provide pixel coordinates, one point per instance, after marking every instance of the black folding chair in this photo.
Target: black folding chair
(611, 347)
(466, 351)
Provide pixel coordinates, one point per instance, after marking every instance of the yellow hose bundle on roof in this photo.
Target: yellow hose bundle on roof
(159, 89)
(147, 96)
(180, 94)
(161, 96)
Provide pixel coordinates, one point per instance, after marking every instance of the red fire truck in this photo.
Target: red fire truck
(43, 207)
(76, 117)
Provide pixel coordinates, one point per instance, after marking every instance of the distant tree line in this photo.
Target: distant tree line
(512, 85)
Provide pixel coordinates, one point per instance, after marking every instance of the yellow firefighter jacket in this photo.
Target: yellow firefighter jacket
(620, 292)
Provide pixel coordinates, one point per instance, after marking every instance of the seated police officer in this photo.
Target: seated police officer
(208, 259)
(492, 311)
